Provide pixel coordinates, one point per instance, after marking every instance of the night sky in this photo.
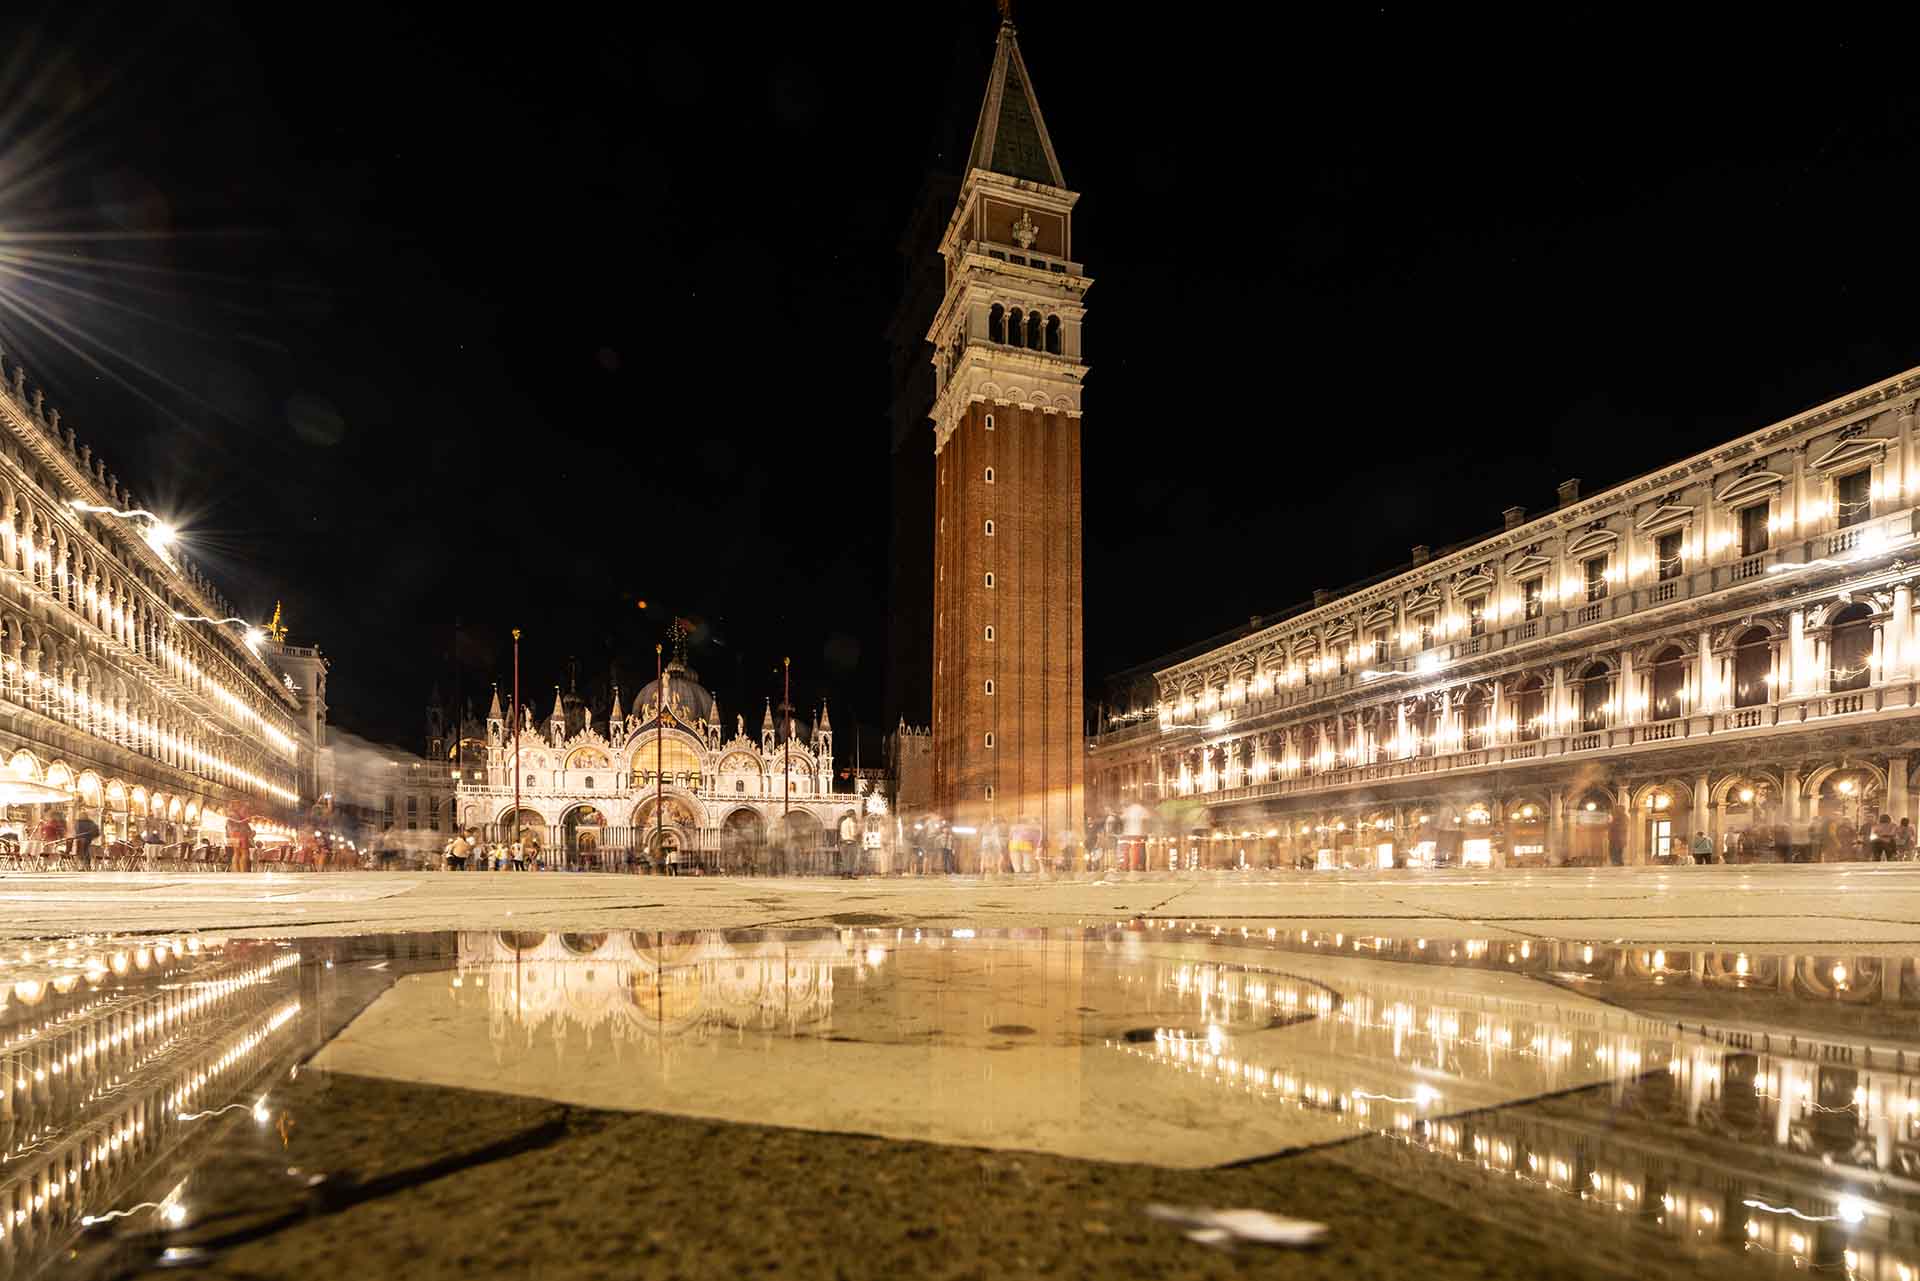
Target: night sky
(517, 318)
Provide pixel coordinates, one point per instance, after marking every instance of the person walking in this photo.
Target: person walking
(1880, 842)
(1903, 840)
(85, 833)
(1702, 847)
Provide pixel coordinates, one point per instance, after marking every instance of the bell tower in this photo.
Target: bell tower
(1008, 726)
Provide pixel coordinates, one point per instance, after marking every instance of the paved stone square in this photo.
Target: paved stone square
(1857, 903)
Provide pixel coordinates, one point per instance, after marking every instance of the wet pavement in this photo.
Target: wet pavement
(873, 1098)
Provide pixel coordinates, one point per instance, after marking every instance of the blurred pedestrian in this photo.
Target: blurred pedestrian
(1702, 847)
(85, 833)
(1903, 839)
(1880, 840)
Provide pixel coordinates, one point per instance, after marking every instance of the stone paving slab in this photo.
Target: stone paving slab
(1751, 905)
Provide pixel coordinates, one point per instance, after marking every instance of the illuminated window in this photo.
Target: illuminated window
(1425, 623)
(989, 580)
(989, 529)
(989, 689)
(1477, 616)
(1753, 528)
(989, 738)
(1381, 645)
(1668, 559)
(989, 631)
(989, 791)
(1853, 497)
(1596, 572)
(1533, 597)
(989, 475)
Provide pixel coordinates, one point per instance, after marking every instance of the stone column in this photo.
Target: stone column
(1634, 852)
(1797, 667)
(1790, 784)
(1899, 654)
(1627, 691)
(1896, 799)
(1700, 812)
(1556, 826)
(1706, 696)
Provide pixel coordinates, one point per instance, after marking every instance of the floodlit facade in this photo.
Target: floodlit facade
(663, 775)
(1726, 643)
(128, 692)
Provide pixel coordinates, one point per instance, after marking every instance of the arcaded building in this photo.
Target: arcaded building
(1724, 644)
(130, 692)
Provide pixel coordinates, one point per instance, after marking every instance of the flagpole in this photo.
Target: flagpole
(786, 767)
(659, 757)
(516, 735)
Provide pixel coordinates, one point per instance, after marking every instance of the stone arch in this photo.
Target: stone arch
(25, 765)
(1816, 779)
(1725, 790)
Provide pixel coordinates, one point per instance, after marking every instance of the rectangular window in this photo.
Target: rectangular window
(1533, 598)
(1596, 568)
(1668, 560)
(1426, 631)
(1477, 616)
(1853, 497)
(1753, 528)
(1381, 646)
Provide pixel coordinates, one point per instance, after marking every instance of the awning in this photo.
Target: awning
(19, 791)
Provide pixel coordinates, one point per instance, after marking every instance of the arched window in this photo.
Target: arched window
(589, 782)
(1752, 665)
(1033, 331)
(989, 738)
(989, 529)
(996, 324)
(1595, 685)
(1530, 705)
(1053, 335)
(989, 428)
(1850, 650)
(989, 688)
(1016, 327)
(989, 475)
(989, 580)
(989, 631)
(1669, 683)
(1476, 715)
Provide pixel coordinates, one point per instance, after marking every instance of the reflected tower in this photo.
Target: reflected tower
(1008, 743)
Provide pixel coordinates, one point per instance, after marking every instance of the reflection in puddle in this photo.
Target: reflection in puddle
(1529, 1077)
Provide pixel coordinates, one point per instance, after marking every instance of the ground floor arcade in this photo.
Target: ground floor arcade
(1810, 801)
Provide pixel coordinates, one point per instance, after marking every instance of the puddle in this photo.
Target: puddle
(1719, 1106)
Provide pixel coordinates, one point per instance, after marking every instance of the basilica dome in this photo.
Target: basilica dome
(687, 698)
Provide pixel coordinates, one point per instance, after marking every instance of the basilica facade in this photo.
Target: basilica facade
(662, 776)
(1724, 645)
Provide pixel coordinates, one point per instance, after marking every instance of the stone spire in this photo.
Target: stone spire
(617, 715)
(826, 721)
(493, 709)
(1011, 137)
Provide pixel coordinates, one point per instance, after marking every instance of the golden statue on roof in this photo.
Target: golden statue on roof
(274, 629)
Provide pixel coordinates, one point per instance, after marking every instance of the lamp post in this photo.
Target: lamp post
(516, 735)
